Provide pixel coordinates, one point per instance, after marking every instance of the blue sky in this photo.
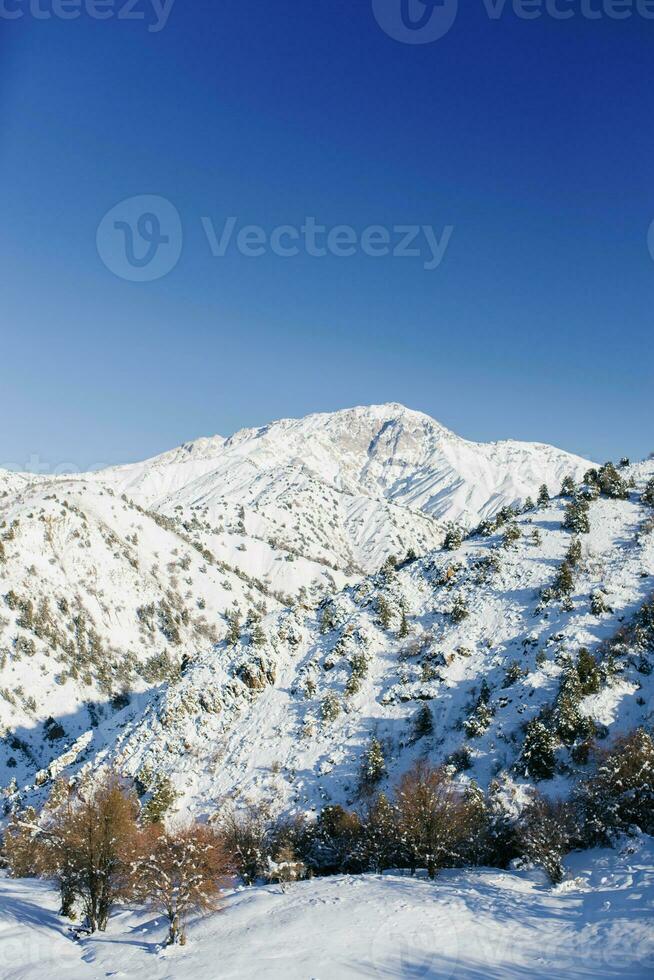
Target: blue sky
(532, 139)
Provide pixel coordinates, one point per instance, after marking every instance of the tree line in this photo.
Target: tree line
(98, 845)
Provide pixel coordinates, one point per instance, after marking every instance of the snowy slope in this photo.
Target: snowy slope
(99, 599)
(248, 720)
(350, 487)
(482, 923)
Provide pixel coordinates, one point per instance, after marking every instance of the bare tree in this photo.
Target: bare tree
(436, 818)
(181, 872)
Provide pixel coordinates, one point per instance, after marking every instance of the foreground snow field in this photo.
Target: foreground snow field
(477, 924)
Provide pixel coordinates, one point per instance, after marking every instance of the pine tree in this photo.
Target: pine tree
(460, 609)
(512, 535)
(543, 496)
(648, 493)
(564, 582)
(423, 722)
(568, 487)
(574, 553)
(576, 517)
(403, 631)
(257, 634)
(588, 672)
(453, 537)
(233, 627)
(570, 723)
(162, 799)
(537, 756)
(384, 612)
(611, 483)
(373, 766)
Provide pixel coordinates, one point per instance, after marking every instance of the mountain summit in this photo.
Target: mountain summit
(357, 482)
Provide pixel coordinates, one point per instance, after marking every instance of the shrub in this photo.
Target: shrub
(512, 535)
(621, 793)
(598, 603)
(544, 835)
(246, 838)
(330, 707)
(335, 843)
(460, 610)
(453, 537)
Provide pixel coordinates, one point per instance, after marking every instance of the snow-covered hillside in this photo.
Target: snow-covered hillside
(287, 718)
(101, 600)
(347, 488)
(113, 582)
(481, 923)
(282, 711)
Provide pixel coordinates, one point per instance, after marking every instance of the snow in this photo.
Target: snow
(361, 481)
(468, 925)
(272, 747)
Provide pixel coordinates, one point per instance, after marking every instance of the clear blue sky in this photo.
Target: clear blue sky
(534, 139)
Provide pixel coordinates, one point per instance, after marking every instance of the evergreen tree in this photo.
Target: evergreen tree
(621, 794)
(423, 722)
(453, 537)
(598, 603)
(162, 798)
(568, 488)
(576, 517)
(233, 627)
(403, 631)
(574, 553)
(537, 756)
(384, 612)
(588, 672)
(460, 609)
(648, 493)
(564, 583)
(611, 484)
(543, 496)
(257, 634)
(373, 766)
